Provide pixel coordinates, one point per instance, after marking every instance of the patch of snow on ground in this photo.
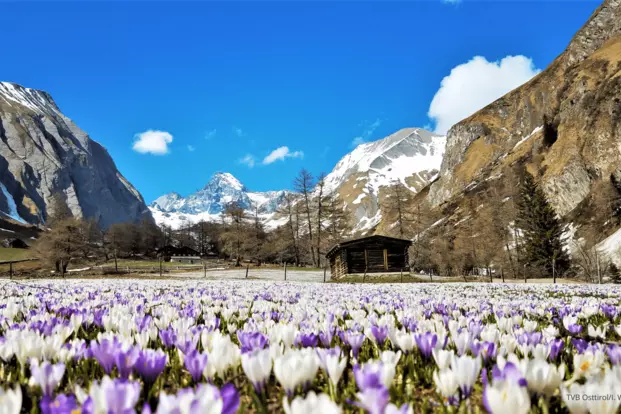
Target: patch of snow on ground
(611, 247)
(520, 142)
(11, 204)
(359, 199)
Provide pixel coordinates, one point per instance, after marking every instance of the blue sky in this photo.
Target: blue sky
(225, 84)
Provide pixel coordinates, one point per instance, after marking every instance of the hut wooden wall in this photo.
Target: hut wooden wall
(338, 264)
(377, 256)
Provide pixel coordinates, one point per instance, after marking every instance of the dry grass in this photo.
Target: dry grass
(478, 155)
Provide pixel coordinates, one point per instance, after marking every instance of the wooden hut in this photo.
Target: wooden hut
(372, 254)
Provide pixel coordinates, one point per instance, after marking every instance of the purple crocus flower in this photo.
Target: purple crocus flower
(530, 338)
(609, 310)
(125, 361)
(380, 333)
(614, 353)
(373, 400)
(426, 343)
(168, 337)
(368, 376)
(151, 363)
(62, 404)
(487, 350)
(230, 399)
(574, 329)
(325, 338)
(251, 341)
(104, 352)
(509, 373)
(354, 340)
(580, 344)
(307, 340)
(195, 363)
(47, 376)
(556, 346)
(187, 344)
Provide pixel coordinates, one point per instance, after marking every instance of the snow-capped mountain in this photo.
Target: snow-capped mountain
(411, 156)
(208, 203)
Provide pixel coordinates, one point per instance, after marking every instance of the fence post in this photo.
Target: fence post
(324, 274)
(116, 265)
(285, 270)
(554, 270)
(364, 276)
(160, 266)
(62, 269)
(247, 266)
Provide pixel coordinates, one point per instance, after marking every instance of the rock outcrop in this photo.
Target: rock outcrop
(42, 152)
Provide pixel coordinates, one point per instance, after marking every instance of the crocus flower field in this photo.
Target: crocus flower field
(124, 346)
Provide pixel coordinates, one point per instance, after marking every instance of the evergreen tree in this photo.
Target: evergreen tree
(615, 275)
(541, 230)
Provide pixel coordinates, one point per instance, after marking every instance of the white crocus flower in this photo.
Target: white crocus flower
(295, 367)
(462, 342)
(257, 366)
(446, 383)
(467, 371)
(543, 378)
(405, 340)
(550, 331)
(506, 397)
(588, 363)
(335, 365)
(10, 400)
(530, 326)
(442, 358)
(599, 332)
(311, 404)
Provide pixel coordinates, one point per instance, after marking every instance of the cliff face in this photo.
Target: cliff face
(43, 152)
(564, 125)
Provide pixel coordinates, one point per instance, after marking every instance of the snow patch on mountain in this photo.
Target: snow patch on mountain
(12, 213)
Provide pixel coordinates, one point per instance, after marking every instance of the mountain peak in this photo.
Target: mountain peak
(225, 179)
(33, 99)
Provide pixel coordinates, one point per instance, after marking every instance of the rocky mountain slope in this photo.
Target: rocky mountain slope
(564, 126)
(411, 156)
(43, 152)
(208, 203)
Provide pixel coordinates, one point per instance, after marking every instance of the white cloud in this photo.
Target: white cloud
(281, 153)
(191, 148)
(210, 134)
(451, 1)
(239, 132)
(369, 129)
(152, 142)
(474, 84)
(248, 159)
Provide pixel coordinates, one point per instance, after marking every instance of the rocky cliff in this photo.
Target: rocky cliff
(42, 152)
(564, 125)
